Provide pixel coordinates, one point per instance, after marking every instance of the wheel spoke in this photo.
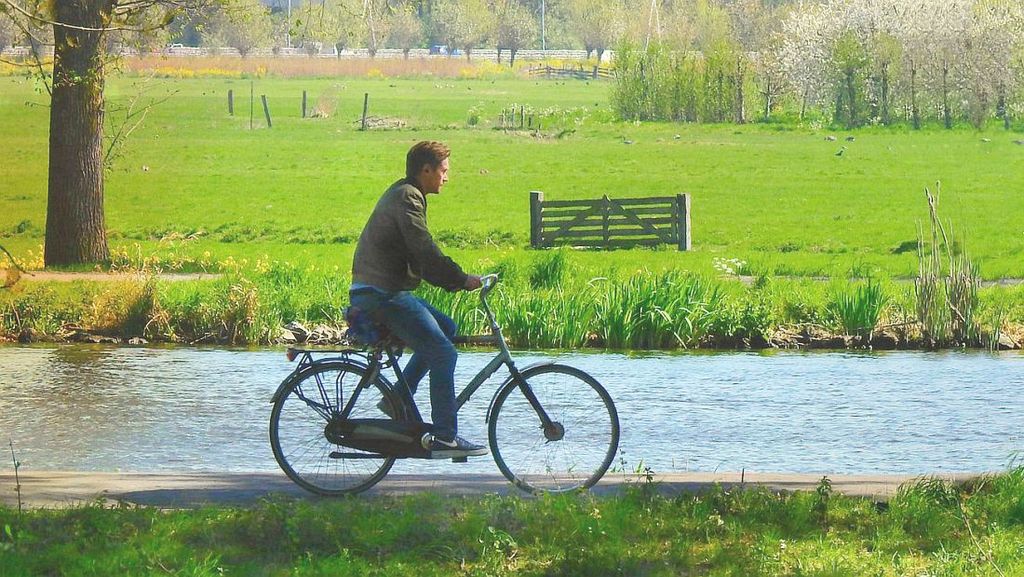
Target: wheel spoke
(590, 435)
(299, 442)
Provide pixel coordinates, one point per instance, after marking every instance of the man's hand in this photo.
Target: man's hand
(472, 283)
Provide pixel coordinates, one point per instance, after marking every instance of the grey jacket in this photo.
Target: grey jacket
(395, 249)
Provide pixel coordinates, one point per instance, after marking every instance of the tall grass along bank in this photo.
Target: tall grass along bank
(548, 300)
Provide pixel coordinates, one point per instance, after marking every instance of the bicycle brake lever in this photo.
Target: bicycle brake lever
(487, 282)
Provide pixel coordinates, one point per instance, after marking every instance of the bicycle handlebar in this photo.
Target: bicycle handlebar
(487, 282)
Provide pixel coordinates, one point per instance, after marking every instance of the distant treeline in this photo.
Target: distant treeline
(851, 62)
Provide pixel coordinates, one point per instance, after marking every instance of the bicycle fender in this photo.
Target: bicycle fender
(316, 365)
(523, 371)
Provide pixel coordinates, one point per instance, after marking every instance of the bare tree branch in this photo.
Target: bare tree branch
(14, 63)
(40, 20)
(129, 125)
(36, 60)
(13, 261)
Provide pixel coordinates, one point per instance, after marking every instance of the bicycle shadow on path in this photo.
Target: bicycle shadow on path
(190, 490)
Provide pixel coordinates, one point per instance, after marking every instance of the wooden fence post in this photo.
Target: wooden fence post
(266, 110)
(536, 198)
(595, 72)
(366, 104)
(231, 102)
(605, 207)
(683, 214)
(303, 103)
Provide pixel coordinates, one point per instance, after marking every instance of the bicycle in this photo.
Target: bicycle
(338, 424)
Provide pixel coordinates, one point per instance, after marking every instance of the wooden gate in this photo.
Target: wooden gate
(607, 223)
(567, 71)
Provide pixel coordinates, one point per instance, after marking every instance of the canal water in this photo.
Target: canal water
(95, 408)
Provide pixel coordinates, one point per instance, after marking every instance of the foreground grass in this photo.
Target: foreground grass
(929, 528)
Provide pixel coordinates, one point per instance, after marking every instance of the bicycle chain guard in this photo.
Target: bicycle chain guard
(383, 436)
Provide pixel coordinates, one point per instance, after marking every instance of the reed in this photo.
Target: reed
(857, 309)
(655, 311)
(947, 293)
(556, 318)
(551, 269)
(644, 311)
(932, 315)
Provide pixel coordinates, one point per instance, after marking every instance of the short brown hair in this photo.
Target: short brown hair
(422, 153)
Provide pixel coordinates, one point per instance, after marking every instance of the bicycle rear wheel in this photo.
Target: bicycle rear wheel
(572, 454)
(299, 419)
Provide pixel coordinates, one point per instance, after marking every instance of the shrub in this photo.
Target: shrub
(126, 309)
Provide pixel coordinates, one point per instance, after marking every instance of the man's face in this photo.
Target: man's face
(432, 179)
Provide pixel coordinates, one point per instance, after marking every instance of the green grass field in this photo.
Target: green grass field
(774, 196)
(279, 209)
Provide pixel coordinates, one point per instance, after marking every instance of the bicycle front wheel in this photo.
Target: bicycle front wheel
(299, 420)
(574, 450)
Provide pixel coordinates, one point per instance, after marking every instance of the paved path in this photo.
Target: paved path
(64, 488)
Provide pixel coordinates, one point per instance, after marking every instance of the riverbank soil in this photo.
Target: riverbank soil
(51, 489)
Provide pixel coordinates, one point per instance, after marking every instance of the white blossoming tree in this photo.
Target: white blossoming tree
(515, 28)
(463, 24)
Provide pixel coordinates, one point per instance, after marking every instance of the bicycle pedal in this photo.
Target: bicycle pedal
(460, 459)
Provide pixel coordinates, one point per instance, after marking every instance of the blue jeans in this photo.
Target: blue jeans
(428, 332)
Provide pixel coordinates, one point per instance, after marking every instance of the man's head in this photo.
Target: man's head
(427, 165)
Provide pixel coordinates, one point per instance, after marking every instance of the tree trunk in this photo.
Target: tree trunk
(512, 57)
(885, 94)
(75, 227)
(741, 116)
(839, 105)
(851, 97)
(915, 114)
(1001, 109)
(719, 100)
(947, 116)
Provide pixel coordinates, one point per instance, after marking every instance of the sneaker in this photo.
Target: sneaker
(457, 447)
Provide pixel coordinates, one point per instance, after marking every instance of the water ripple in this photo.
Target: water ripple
(153, 409)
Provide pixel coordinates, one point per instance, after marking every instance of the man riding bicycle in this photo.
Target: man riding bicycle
(395, 251)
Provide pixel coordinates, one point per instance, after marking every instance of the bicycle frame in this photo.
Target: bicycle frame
(373, 360)
(330, 444)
